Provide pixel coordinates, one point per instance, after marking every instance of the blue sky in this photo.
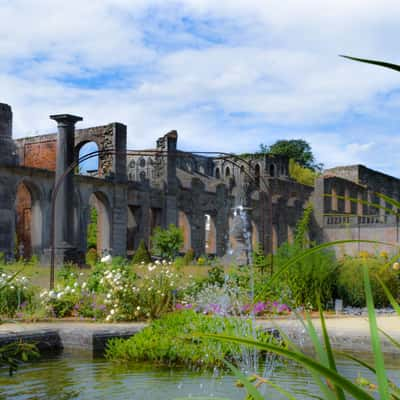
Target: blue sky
(228, 75)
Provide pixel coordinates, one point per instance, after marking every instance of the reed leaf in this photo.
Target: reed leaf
(383, 386)
(251, 389)
(374, 62)
(329, 352)
(303, 360)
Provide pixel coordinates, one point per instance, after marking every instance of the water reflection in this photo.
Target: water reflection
(78, 376)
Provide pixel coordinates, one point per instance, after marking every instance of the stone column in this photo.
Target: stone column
(64, 215)
(171, 215)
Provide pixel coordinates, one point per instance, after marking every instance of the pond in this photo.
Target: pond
(78, 376)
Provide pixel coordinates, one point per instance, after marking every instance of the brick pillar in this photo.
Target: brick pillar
(8, 153)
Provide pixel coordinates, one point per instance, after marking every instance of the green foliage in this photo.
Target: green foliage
(216, 275)
(188, 257)
(322, 367)
(167, 242)
(91, 257)
(202, 261)
(171, 341)
(92, 229)
(350, 280)
(261, 261)
(13, 354)
(304, 281)
(296, 149)
(303, 175)
(15, 294)
(142, 254)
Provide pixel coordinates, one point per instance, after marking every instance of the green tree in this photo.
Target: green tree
(167, 242)
(141, 254)
(296, 149)
(92, 229)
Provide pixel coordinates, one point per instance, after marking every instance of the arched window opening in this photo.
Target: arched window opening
(142, 163)
(91, 166)
(272, 170)
(28, 221)
(210, 235)
(98, 229)
(227, 172)
(217, 173)
(184, 224)
(133, 229)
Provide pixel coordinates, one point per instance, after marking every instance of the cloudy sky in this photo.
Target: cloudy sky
(228, 75)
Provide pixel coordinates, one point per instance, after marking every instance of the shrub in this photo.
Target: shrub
(350, 280)
(188, 257)
(142, 254)
(91, 256)
(307, 280)
(171, 341)
(167, 242)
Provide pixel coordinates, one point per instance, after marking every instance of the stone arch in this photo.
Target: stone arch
(92, 165)
(210, 235)
(100, 202)
(184, 224)
(272, 170)
(29, 218)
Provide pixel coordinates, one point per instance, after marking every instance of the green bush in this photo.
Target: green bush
(188, 257)
(91, 256)
(307, 280)
(142, 254)
(350, 280)
(167, 242)
(171, 341)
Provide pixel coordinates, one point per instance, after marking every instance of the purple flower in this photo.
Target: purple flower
(189, 306)
(259, 307)
(179, 306)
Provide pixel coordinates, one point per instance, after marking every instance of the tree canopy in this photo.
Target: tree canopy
(296, 149)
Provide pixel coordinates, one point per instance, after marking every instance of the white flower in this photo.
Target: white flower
(59, 295)
(76, 284)
(112, 311)
(52, 293)
(157, 262)
(84, 284)
(108, 295)
(108, 317)
(73, 291)
(138, 308)
(81, 274)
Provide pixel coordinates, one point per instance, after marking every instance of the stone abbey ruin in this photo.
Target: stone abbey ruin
(134, 193)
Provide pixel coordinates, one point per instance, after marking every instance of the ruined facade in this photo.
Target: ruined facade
(135, 192)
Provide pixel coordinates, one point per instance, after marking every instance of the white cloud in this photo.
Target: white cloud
(228, 74)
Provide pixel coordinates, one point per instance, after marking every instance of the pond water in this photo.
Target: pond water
(78, 376)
